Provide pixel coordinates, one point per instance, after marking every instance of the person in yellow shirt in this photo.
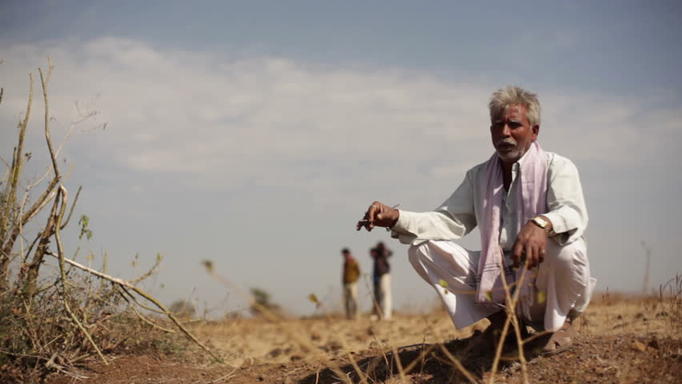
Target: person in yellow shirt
(351, 275)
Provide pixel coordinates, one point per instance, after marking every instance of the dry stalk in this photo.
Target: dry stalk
(515, 321)
(149, 298)
(422, 355)
(150, 271)
(127, 296)
(511, 301)
(224, 377)
(9, 195)
(44, 79)
(399, 364)
(73, 205)
(62, 198)
(153, 324)
(458, 365)
(354, 364)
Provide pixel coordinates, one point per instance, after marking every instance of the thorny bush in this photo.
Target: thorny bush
(53, 317)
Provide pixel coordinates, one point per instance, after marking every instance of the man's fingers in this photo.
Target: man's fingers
(529, 255)
(536, 256)
(377, 214)
(368, 219)
(371, 212)
(516, 254)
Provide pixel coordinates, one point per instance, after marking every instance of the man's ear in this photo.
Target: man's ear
(536, 130)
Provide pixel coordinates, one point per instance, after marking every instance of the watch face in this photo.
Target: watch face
(540, 221)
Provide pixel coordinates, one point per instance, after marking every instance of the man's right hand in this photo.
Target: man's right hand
(378, 215)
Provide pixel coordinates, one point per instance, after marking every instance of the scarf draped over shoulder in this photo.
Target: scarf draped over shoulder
(531, 200)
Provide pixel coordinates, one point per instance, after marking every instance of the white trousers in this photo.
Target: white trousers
(350, 299)
(383, 305)
(563, 277)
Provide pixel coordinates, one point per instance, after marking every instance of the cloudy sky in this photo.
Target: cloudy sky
(255, 133)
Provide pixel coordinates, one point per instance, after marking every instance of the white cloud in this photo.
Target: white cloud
(336, 136)
(174, 111)
(171, 111)
(271, 120)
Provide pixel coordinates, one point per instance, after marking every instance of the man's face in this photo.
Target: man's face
(512, 134)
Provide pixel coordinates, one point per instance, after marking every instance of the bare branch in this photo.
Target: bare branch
(43, 81)
(73, 205)
(150, 271)
(148, 321)
(62, 198)
(149, 298)
(129, 296)
(9, 196)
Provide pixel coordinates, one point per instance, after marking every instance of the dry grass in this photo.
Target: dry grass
(256, 338)
(260, 341)
(622, 339)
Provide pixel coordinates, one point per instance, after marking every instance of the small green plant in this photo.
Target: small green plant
(84, 223)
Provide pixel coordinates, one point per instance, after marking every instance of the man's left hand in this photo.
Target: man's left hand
(531, 243)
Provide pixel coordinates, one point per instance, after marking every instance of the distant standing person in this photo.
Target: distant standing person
(351, 274)
(382, 281)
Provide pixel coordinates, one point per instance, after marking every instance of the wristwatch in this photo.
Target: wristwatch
(541, 222)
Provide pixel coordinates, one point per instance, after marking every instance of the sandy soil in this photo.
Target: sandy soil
(619, 341)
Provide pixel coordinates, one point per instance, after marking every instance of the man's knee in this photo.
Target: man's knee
(421, 253)
(565, 256)
(416, 252)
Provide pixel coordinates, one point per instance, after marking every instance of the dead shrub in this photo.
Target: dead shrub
(55, 313)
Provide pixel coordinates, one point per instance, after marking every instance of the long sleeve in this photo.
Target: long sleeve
(450, 221)
(565, 201)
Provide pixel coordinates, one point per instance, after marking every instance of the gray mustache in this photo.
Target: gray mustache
(506, 141)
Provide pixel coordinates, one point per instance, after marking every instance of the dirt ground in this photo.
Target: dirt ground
(620, 340)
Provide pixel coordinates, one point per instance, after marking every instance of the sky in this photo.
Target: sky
(255, 133)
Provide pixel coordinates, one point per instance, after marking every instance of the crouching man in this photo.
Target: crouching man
(528, 205)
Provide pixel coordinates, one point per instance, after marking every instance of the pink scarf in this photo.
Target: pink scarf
(530, 201)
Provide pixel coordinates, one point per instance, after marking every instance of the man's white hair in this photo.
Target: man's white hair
(512, 95)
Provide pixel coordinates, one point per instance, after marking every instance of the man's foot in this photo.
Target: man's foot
(561, 340)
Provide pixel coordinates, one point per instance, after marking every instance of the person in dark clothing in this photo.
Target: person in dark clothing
(382, 281)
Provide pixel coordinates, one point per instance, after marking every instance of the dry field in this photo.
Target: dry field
(621, 340)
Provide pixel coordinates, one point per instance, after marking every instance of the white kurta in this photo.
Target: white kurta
(563, 277)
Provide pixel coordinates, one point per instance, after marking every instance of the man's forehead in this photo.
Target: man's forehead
(513, 112)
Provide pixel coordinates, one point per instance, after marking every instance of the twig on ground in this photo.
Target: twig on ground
(224, 377)
(149, 298)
